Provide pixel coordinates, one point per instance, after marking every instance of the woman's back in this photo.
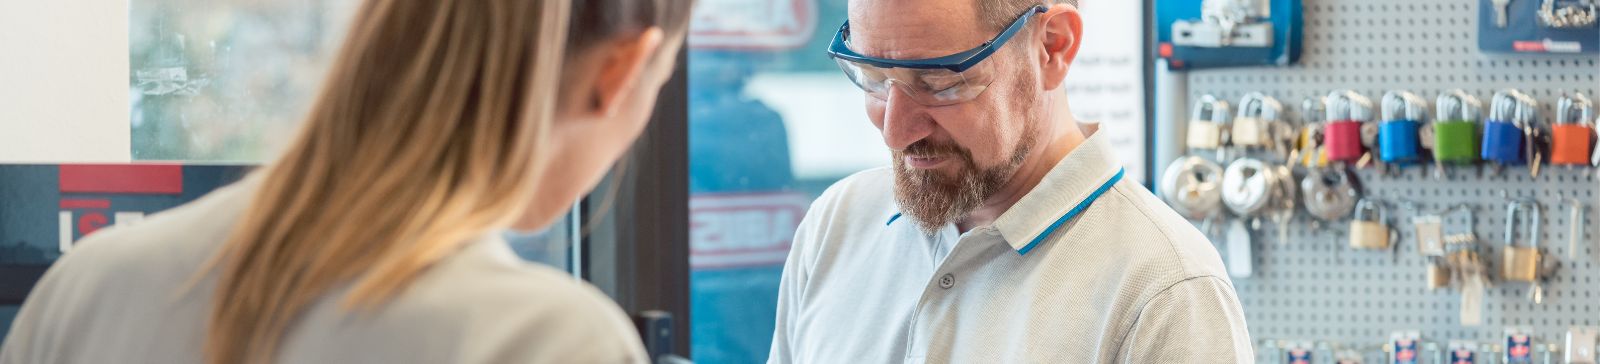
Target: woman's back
(122, 296)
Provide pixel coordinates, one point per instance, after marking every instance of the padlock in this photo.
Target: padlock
(1192, 185)
(1329, 194)
(1248, 185)
(1208, 123)
(1503, 136)
(1573, 136)
(1252, 128)
(1398, 139)
(1455, 128)
(1438, 275)
(1521, 264)
(1347, 112)
(1368, 231)
(1312, 153)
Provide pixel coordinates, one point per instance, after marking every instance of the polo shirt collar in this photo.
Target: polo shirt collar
(1066, 190)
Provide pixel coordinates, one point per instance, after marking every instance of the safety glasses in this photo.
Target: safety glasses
(939, 81)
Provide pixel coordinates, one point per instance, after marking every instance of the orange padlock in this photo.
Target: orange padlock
(1573, 137)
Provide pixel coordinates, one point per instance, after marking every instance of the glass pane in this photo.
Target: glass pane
(226, 80)
(760, 149)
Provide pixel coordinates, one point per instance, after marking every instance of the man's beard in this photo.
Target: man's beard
(933, 199)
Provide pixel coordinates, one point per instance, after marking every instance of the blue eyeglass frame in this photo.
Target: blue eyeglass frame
(958, 62)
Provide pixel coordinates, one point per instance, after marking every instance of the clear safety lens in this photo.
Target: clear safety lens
(929, 87)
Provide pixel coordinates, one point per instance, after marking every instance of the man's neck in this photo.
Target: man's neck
(1065, 136)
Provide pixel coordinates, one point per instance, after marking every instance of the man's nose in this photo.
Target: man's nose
(904, 120)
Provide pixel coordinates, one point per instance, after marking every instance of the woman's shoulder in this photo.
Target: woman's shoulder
(517, 310)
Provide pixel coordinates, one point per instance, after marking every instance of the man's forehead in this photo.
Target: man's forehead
(912, 29)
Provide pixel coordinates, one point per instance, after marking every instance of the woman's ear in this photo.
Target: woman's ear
(621, 63)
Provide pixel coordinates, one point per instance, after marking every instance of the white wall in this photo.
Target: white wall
(64, 81)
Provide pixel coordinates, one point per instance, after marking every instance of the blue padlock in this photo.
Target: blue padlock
(1503, 136)
(1398, 136)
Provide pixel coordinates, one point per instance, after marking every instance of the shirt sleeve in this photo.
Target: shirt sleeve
(1198, 320)
(791, 291)
(36, 331)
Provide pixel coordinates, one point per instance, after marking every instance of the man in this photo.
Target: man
(1004, 231)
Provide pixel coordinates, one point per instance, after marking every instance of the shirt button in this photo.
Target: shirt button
(947, 281)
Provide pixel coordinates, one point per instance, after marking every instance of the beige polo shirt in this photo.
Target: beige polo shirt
(1088, 267)
(118, 297)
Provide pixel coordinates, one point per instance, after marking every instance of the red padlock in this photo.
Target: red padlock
(1573, 137)
(1343, 136)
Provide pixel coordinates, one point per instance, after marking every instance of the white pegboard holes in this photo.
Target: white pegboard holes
(1316, 289)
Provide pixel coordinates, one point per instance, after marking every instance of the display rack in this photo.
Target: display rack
(1313, 287)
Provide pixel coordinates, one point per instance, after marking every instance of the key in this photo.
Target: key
(1501, 8)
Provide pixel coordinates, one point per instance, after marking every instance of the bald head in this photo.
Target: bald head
(997, 14)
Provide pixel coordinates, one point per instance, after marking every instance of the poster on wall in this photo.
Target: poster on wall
(1106, 82)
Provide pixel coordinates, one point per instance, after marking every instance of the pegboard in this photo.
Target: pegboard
(1313, 287)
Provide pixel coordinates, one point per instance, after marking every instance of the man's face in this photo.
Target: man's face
(949, 159)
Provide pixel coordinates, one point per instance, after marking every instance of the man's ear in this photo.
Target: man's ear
(1060, 32)
(621, 63)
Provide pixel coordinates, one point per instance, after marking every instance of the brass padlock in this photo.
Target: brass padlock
(1521, 264)
(1438, 275)
(1252, 127)
(1208, 123)
(1366, 231)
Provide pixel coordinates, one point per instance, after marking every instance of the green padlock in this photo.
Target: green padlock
(1455, 128)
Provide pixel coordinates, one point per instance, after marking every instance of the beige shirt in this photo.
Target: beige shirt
(117, 298)
(1087, 268)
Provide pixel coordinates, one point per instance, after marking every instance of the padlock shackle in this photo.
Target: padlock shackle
(1458, 105)
(1366, 204)
(1348, 105)
(1259, 105)
(1403, 105)
(1513, 106)
(1574, 109)
(1209, 108)
(1527, 114)
(1472, 218)
(1535, 219)
(1312, 110)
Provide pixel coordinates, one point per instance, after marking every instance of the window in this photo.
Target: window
(760, 149)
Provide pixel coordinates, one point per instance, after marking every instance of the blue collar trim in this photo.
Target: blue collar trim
(1071, 213)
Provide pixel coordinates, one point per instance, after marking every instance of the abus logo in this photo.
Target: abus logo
(88, 193)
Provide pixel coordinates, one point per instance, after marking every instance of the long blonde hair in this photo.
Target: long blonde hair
(428, 134)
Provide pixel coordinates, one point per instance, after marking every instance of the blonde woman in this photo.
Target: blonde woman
(373, 239)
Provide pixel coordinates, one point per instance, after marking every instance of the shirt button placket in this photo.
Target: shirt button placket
(947, 280)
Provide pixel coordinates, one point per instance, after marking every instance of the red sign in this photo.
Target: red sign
(742, 230)
(752, 24)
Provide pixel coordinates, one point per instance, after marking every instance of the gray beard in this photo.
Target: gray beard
(934, 200)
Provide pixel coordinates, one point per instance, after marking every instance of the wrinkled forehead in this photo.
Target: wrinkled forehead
(914, 29)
